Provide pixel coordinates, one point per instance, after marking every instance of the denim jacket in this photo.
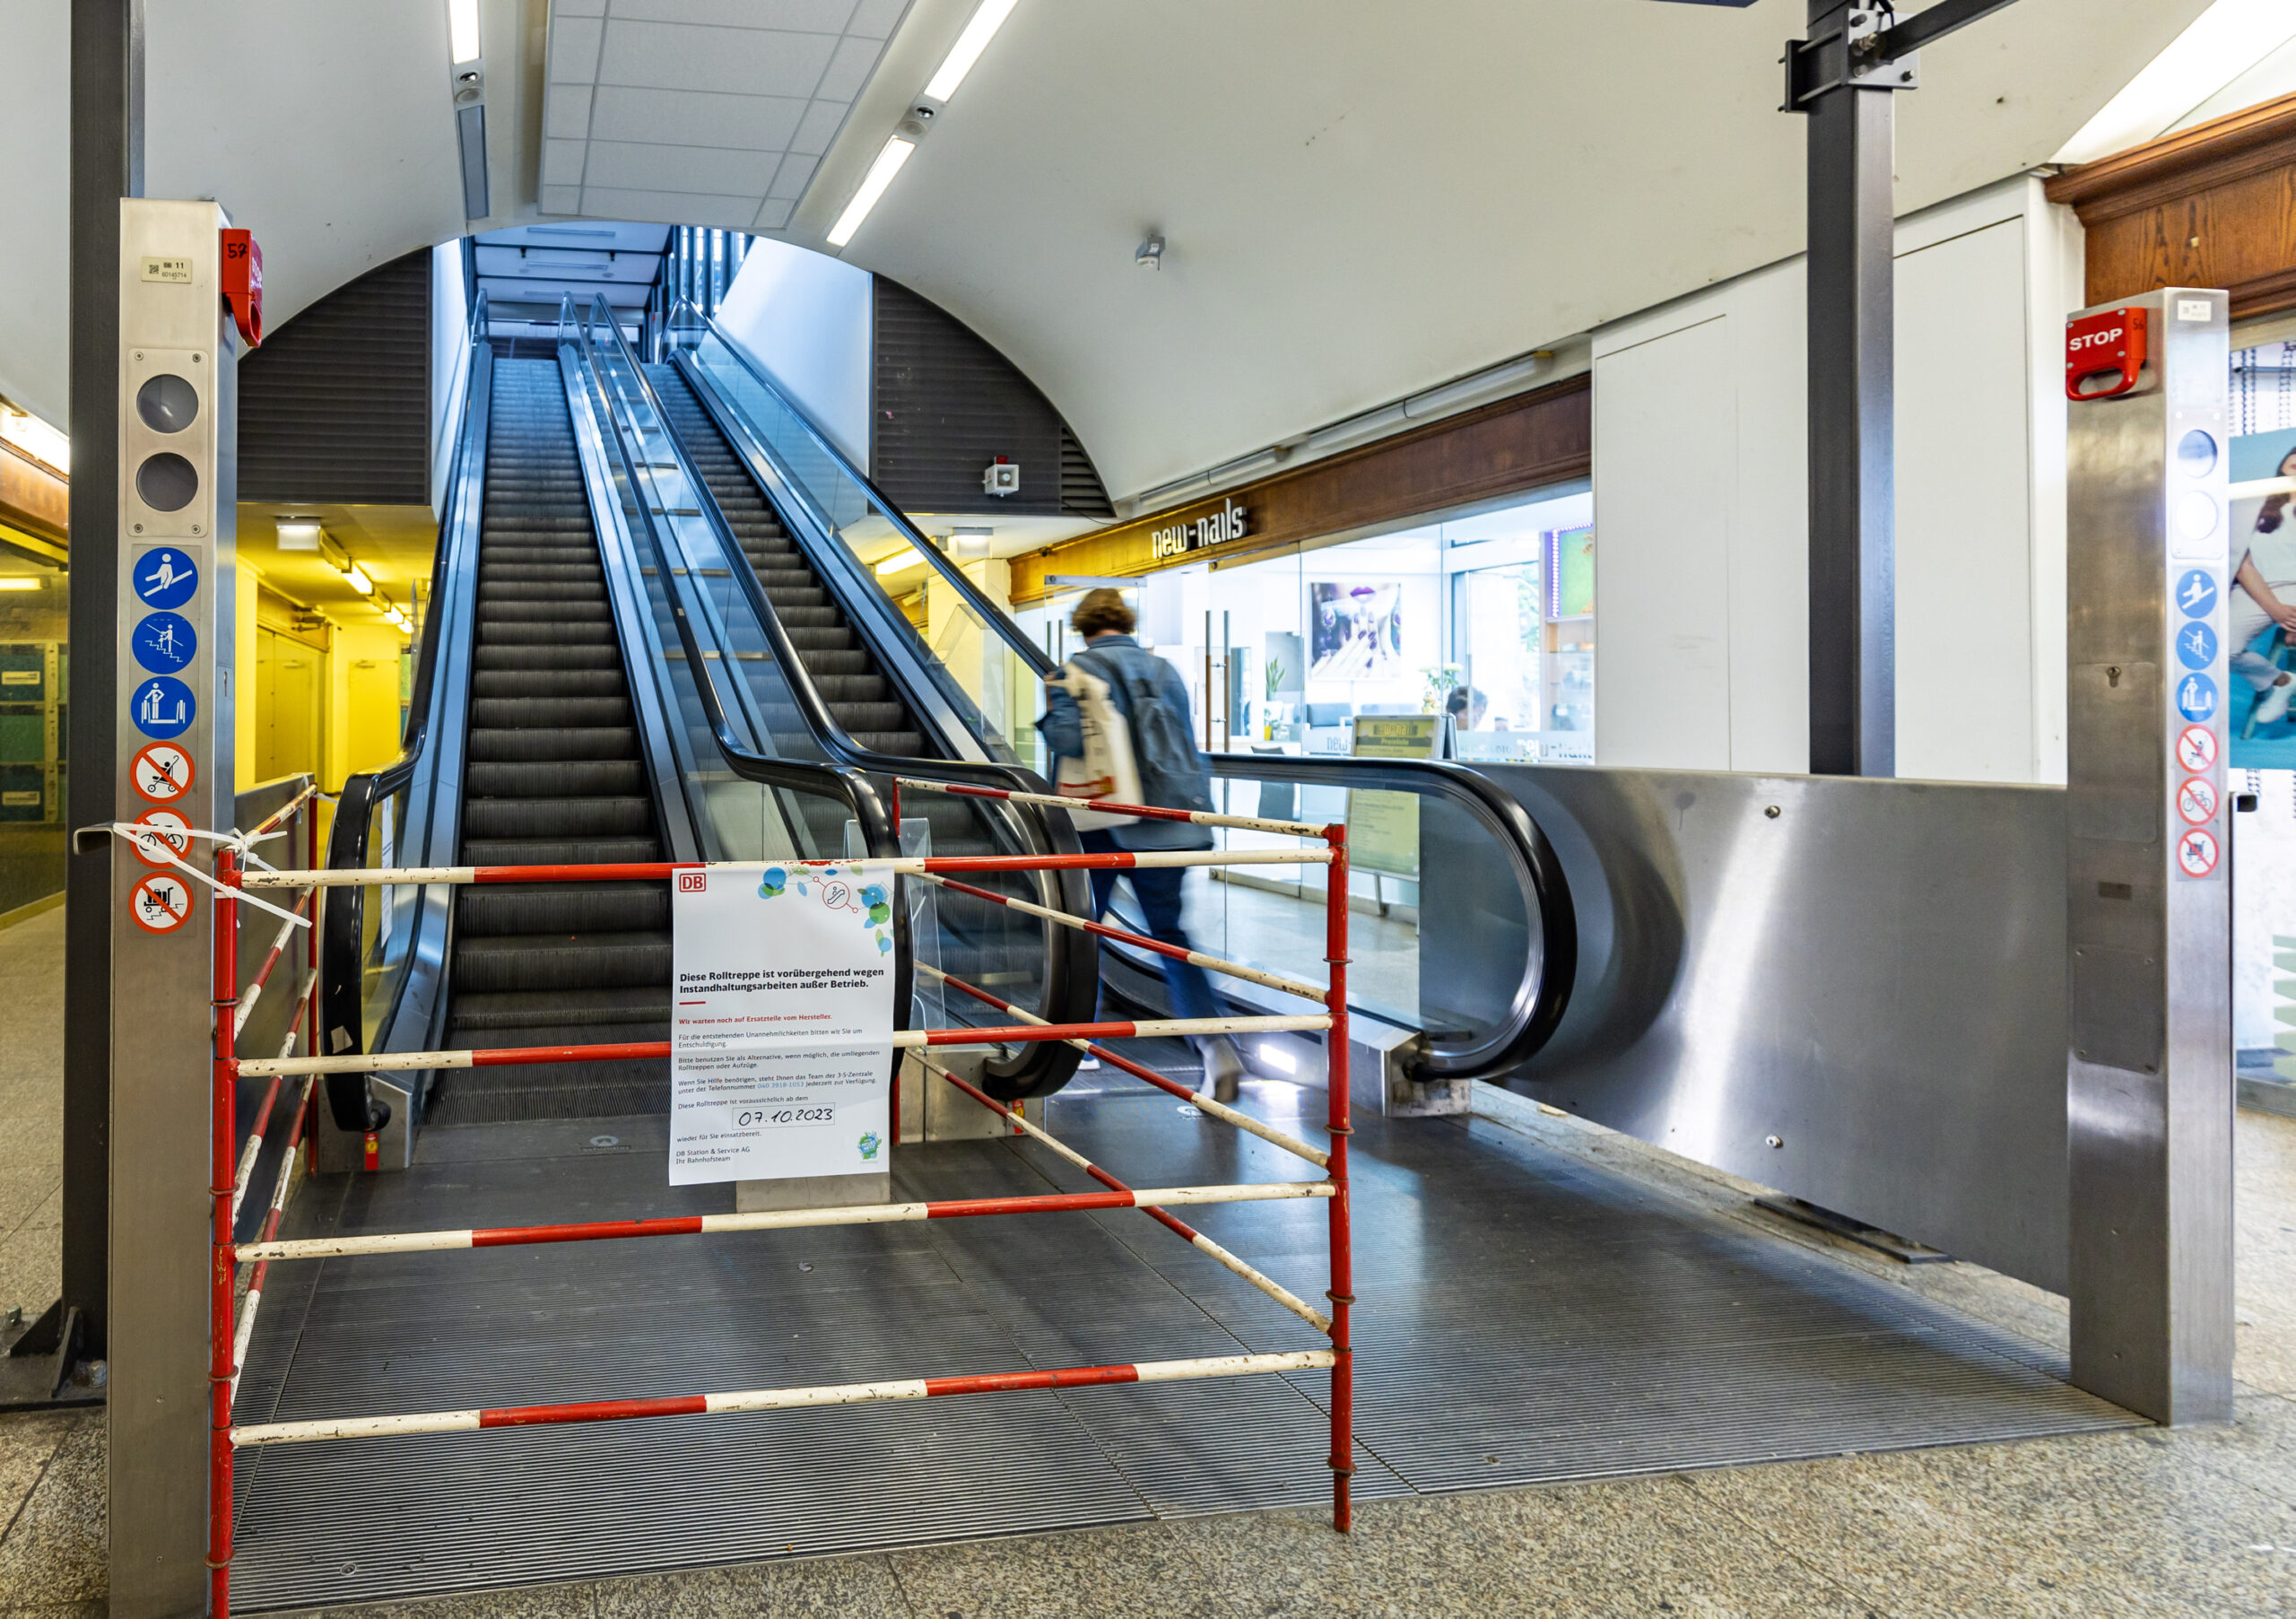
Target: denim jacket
(1062, 727)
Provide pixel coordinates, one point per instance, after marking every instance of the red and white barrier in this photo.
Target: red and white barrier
(229, 1341)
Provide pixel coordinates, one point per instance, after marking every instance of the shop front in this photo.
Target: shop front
(1439, 583)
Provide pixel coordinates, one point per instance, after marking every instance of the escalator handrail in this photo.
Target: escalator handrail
(343, 909)
(1071, 977)
(1538, 869)
(988, 612)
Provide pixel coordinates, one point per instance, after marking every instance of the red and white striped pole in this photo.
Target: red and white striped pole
(222, 1181)
(1343, 1253)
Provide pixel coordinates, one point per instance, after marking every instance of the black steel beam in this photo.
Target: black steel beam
(106, 164)
(1928, 27)
(1852, 538)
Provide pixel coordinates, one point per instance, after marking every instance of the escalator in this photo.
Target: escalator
(1482, 992)
(553, 777)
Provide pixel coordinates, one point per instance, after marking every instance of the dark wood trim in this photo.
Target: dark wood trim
(2234, 147)
(1511, 446)
(33, 496)
(2264, 295)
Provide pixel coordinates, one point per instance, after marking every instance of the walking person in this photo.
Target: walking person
(1148, 693)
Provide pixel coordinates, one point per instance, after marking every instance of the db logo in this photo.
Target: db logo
(693, 881)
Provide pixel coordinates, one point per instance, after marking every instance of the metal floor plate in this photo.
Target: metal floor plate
(1523, 1318)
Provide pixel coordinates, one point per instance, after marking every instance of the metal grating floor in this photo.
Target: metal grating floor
(1524, 1318)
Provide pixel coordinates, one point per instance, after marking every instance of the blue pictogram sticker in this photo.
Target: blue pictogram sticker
(163, 706)
(164, 642)
(2196, 646)
(2196, 594)
(2196, 698)
(166, 577)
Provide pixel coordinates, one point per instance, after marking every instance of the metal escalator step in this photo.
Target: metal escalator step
(511, 592)
(519, 713)
(506, 612)
(549, 683)
(534, 744)
(556, 818)
(596, 1009)
(550, 655)
(577, 626)
(482, 909)
(544, 851)
(563, 963)
(586, 778)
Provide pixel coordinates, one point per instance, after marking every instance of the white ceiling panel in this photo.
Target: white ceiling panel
(734, 61)
(797, 172)
(708, 169)
(678, 207)
(798, 16)
(683, 118)
(574, 49)
(559, 199)
(875, 18)
(588, 235)
(773, 214)
(818, 129)
(847, 70)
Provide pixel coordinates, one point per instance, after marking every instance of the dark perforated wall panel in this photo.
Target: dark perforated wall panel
(945, 404)
(336, 405)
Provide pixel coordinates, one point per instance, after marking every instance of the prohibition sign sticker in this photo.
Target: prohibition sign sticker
(160, 903)
(162, 772)
(2196, 801)
(159, 833)
(2196, 747)
(2196, 854)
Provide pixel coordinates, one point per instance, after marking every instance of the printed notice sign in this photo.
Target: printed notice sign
(780, 1048)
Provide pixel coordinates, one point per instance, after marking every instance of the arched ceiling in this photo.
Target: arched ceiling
(1359, 199)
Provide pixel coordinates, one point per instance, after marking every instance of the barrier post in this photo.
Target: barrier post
(1342, 1293)
(222, 1179)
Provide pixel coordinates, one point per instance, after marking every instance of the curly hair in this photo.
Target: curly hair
(1103, 612)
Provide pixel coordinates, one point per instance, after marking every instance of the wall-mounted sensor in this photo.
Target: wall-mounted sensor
(1149, 255)
(1000, 478)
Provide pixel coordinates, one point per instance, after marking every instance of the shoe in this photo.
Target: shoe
(1223, 1066)
(2273, 705)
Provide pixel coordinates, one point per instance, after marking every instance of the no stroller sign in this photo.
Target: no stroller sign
(782, 1020)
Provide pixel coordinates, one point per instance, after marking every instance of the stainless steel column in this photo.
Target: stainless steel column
(2149, 1086)
(171, 734)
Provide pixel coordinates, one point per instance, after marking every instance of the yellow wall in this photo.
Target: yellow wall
(362, 709)
(244, 723)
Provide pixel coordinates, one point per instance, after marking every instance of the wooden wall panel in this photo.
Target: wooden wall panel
(1530, 441)
(2212, 206)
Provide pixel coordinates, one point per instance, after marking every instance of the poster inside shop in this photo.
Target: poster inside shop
(780, 1043)
(1383, 828)
(2260, 707)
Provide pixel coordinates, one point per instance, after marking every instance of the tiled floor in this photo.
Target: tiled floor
(2200, 1521)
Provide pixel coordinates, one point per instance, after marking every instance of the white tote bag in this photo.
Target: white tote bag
(1107, 770)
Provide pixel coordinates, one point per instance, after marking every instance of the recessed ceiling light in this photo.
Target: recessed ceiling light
(900, 559)
(462, 30)
(967, 50)
(19, 584)
(298, 535)
(873, 187)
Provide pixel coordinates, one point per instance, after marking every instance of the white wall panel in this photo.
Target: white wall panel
(1666, 486)
(805, 317)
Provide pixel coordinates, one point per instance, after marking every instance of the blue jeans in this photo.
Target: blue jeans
(1158, 892)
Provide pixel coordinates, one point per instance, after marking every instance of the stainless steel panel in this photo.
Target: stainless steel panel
(1871, 972)
(2150, 1082)
(160, 982)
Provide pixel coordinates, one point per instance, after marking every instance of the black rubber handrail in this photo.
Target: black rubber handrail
(1072, 957)
(1536, 869)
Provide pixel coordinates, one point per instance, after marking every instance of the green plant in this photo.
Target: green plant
(1275, 678)
(1440, 680)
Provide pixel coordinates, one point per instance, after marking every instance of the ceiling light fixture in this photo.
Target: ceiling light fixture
(298, 534)
(462, 29)
(36, 439)
(359, 580)
(19, 584)
(873, 187)
(967, 50)
(900, 559)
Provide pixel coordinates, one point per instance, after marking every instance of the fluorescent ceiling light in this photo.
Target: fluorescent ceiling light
(359, 580)
(36, 439)
(299, 537)
(2223, 42)
(462, 30)
(900, 559)
(19, 584)
(967, 50)
(873, 187)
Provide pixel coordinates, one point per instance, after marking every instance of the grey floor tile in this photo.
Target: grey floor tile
(836, 1588)
(54, 1548)
(1153, 1571)
(28, 1442)
(532, 1602)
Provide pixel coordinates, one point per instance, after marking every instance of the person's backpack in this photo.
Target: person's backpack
(1172, 773)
